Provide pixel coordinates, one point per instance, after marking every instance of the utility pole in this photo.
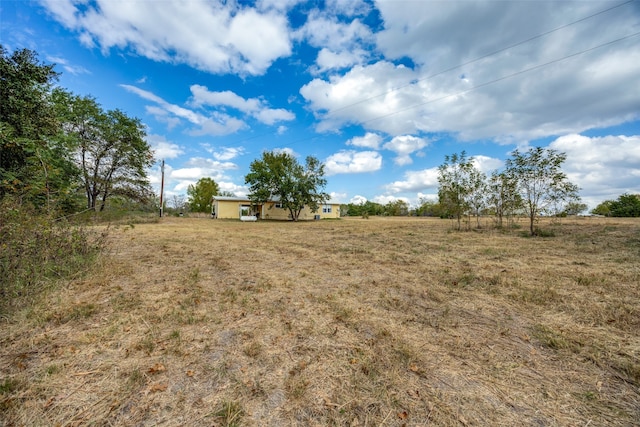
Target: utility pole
(162, 189)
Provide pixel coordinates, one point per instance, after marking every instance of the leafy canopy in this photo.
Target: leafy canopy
(201, 193)
(540, 181)
(278, 175)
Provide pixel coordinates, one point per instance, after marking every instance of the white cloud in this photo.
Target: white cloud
(358, 200)
(210, 36)
(227, 153)
(330, 60)
(255, 107)
(216, 123)
(604, 167)
(415, 181)
(403, 146)
(337, 197)
(69, 68)
(349, 161)
(369, 140)
(162, 148)
(487, 164)
(580, 92)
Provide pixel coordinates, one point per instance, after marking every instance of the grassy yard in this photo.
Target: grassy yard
(197, 322)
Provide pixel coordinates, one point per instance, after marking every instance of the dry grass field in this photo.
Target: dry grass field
(196, 322)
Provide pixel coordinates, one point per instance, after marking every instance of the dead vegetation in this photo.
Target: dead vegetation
(352, 322)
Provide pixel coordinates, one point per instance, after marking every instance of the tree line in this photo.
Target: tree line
(59, 150)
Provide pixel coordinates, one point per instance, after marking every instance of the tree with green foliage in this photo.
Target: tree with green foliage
(112, 153)
(503, 196)
(428, 208)
(540, 181)
(279, 175)
(603, 208)
(458, 180)
(574, 208)
(627, 205)
(200, 194)
(33, 165)
(397, 208)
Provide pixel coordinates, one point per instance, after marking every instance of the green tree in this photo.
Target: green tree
(200, 194)
(32, 165)
(575, 208)
(540, 181)
(428, 208)
(112, 153)
(458, 179)
(603, 208)
(503, 196)
(279, 175)
(396, 208)
(627, 205)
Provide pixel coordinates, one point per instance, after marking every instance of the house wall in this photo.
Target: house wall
(270, 211)
(226, 209)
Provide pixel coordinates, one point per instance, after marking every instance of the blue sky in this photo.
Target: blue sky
(380, 91)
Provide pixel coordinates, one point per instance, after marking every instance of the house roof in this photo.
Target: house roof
(246, 199)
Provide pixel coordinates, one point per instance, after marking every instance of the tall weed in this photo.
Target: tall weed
(36, 250)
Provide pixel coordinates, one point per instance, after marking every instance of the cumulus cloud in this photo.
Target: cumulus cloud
(210, 36)
(358, 200)
(215, 123)
(349, 161)
(69, 68)
(403, 146)
(203, 97)
(162, 148)
(507, 96)
(604, 167)
(369, 140)
(415, 181)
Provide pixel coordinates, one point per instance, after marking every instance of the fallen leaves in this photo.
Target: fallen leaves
(157, 368)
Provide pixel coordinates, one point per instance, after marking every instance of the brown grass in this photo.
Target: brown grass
(352, 322)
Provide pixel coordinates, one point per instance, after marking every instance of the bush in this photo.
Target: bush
(36, 250)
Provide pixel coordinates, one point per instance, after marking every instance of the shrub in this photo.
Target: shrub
(36, 250)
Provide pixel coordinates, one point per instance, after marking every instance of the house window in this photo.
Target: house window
(279, 205)
(326, 209)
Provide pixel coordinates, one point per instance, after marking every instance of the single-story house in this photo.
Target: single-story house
(223, 207)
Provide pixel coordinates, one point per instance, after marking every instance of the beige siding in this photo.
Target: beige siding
(230, 209)
(227, 209)
(272, 212)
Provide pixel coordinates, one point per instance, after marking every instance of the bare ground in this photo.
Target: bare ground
(355, 322)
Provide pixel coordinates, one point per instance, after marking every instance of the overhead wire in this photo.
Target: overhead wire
(493, 53)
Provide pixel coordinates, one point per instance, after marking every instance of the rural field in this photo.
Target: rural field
(352, 322)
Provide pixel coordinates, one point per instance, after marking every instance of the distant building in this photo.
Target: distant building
(223, 207)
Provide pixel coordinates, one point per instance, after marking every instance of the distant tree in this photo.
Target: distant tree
(603, 208)
(428, 208)
(503, 196)
(396, 208)
(280, 175)
(178, 202)
(575, 208)
(457, 178)
(226, 193)
(201, 193)
(540, 181)
(627, 205)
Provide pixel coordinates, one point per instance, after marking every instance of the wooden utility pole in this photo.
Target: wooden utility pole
(162, 190)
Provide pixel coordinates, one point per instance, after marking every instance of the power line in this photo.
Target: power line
(508, 76)
(329, 114)
(482, 57)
